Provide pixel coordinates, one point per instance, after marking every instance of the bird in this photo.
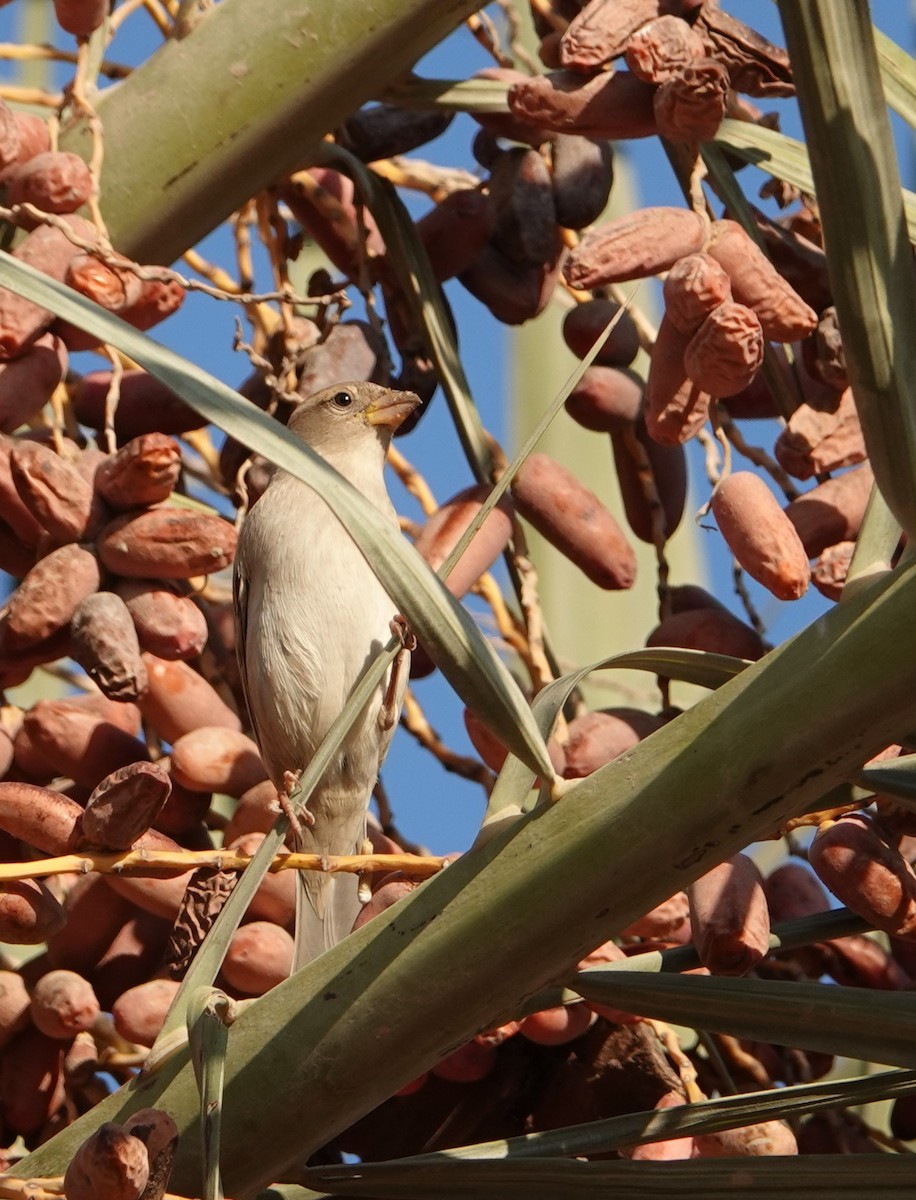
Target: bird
(310, 615)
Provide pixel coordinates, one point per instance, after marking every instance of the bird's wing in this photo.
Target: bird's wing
(240, 590)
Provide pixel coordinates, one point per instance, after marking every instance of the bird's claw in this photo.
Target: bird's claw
(401, 630)
(388, 713)
(284, 794)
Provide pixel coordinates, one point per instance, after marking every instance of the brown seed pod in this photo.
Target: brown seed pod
(275, 898)
(605, 953)
(134, 955)
(54, 181)
(455, 231)
(689, 106)
(783, 315)
(521, 195)
(634, 246)
(29, 913)
(713, 629)
(833, 511)
(111, 1162)
(14, 1005)
(255, 812)
(829, 573)
(557, 1026)
(140, 1011)
(612, 105)
(694, 287)
(606, 399)
(513, 292)
(676, 405)
(501, 125)
(383, 130)
(663, 922)
(49, 250)
(168, 623)
(351, 350)
(729, 918)
(828, 361)
(9, 141)
(866, 873)
(259, 957)
(726, 352)
(598, 737)
(443, 529)
(603, 28)
(639, 458)
(583, 174)
(145, 405)
(494, 753)
(16, 513)
(669, 1150)
(158, 299)
(143, 472)
(104, 642)
(49, 595)
(80, 17)
(122, 808)
(26, 382)
(468, 1064)
(111, 287)
(179, 700)
(63, 1004)
(793, 891)
(81, 1064)
(659, 49)
(59, 738)
(95, 914)
(391, 889)
(766, 1137)
(54, 491)
(28, 136)
(584, 324)
(183, 817)
(816, 440)
(31, 1082)
(326, 203)
(756, 66)
(159, 1133)
(168, 543)
(755, 402)
(760, 535)
(216, 759)
(573, 519)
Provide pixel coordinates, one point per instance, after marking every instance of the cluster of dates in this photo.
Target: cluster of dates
(108, 569)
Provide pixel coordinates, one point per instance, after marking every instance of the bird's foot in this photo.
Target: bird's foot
(400, 629)
(388, 713)
(284, 794)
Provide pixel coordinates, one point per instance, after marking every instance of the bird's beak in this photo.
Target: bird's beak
(393, 410)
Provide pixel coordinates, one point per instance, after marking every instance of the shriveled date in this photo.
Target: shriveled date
(167, 543)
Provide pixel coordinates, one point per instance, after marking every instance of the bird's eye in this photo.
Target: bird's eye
(342, 400)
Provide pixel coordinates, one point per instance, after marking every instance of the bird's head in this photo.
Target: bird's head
(339, 419)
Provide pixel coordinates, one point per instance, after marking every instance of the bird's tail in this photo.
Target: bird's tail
(326, 907)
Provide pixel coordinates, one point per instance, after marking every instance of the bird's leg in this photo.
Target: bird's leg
(388, 714)
(284, 799)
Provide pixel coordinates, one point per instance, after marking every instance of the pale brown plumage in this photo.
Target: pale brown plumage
(310, 614)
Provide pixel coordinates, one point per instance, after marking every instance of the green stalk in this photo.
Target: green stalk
(212, 118)
(857, 182)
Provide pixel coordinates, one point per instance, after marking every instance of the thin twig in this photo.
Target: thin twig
(168, 862)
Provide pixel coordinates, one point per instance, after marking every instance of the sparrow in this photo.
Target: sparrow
(310, 615)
